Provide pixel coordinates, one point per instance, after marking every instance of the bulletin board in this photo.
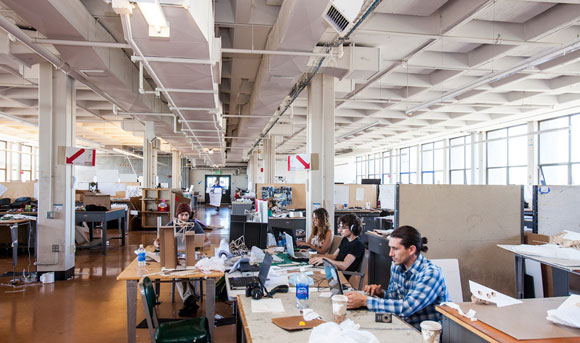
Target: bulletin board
(466, 222)
(558, 209)
(17, 189)
(298, 193)
(387, 196)
(357, 195)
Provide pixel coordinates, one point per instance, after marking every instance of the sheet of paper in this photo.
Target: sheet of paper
(325, 294)
(3, 190)
(340, 194)
(493, 296)
(267, 305)
(360, 194)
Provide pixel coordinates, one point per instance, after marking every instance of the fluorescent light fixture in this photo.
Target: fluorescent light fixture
(358, 130)
(153, 13)
(493, 77)
(127, 153)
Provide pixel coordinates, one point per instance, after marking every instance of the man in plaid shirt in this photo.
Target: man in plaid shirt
(416, 284)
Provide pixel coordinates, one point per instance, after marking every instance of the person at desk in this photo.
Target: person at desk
(350, 252)
(238, 194)
(321, 237)
(416, 286)
(186, 289)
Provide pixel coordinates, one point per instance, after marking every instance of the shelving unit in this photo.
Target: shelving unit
(152, 197)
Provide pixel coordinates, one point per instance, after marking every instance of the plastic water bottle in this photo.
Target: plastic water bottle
(302, 290)
(162, 207)
(284, 241)
(141, 256)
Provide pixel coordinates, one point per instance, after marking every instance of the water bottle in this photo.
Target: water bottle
(302, 290)
(284, 241)
(141, 256)
(162, 207)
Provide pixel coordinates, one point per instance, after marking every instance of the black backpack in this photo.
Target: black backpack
(21, 202)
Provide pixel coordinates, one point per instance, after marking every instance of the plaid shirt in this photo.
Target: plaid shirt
(413, 293)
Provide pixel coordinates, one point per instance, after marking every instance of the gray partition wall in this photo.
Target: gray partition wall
(467, 222)
(558, 209)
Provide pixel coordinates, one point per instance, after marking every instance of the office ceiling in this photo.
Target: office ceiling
(413, 71)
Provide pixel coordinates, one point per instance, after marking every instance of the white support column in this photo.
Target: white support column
(269, 159)
(481, 157)
(397, 167)
(253, 172)
(446, 152)
(17, 147)
(474, 157)
(56, 212)
(533, 153)
(148, 179)
(320, 140)
(418, 175)
(175, 169)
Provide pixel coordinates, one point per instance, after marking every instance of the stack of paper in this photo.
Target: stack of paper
(568, 313)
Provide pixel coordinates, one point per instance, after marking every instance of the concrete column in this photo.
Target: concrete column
(533, 153)
(148, 179)
(252, 172)
(56, 215)
(446, 152)
(175, 169)
(395, 169)
(18, 162)
(419, 174)
(154, 170)
(481, 157)
(320, 140)
(269, 153)
(474, 157)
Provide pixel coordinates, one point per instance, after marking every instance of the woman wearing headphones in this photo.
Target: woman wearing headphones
(321, 237)
(351, 250)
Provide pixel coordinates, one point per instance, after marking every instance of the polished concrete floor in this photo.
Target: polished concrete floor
(92, 306)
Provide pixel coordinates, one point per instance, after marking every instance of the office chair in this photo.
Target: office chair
(361, 272)
(335, 243)
(180, 331)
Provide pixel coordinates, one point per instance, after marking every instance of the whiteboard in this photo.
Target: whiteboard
(387, 196)
(340, 194)
(558, 209)
(107, 175)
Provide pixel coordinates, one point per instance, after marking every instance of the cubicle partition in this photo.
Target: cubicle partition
(466, 222)
(556, 209)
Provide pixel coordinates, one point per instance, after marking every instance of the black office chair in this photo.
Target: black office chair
(361, 272)
(180, 331)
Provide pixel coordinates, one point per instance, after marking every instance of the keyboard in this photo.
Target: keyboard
(241, 282)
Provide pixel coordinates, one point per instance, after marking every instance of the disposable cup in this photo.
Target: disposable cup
(47, 277)
(339, 307)
(431, 331)
(311, 253)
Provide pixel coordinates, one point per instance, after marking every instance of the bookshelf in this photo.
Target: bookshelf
(151, 198)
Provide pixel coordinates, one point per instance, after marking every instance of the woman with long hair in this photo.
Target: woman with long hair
(321, 236)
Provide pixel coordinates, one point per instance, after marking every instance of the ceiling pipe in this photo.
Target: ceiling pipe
(148, 114)
(275, 52)
(126, 22)
(81, 43)
(170, 59)
(193, 91)
(58, 63)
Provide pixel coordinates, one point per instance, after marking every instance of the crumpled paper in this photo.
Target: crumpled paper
(568, 313)
(470, 314)
(347, 332)
(208, 265)
(309, 314)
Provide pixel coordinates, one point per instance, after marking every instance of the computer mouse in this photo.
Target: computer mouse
(279, 289)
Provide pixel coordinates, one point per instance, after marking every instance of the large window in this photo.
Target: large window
(361, 168)
(559, 143)
(460, 160)
(374, 166)
(3, 146)
(432, 162)
(408, 162)
(388, 177)
(507, 156)
(26, 163)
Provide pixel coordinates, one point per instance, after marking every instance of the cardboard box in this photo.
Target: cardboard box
(97, 199)
(168, 247)
(192, 241)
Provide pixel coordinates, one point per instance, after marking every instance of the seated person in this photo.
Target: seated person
(321, 237)
(416, 284)
(351, 250)
(186, 289)
(238, 194)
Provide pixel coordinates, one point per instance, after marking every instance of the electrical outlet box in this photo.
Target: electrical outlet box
(50, 214)
(55, 248)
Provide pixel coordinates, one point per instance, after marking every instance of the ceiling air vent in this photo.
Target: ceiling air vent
(340, 14)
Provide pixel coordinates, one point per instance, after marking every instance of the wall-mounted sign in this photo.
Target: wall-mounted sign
(299, 162)
(78, 156)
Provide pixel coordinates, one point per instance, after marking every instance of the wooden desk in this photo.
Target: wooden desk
(457, 328)
(258, 327)
(560, 271)
(133, 274)
(103, 217)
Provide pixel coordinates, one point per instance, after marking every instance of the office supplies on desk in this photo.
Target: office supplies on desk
(490, 295)
(243, 281)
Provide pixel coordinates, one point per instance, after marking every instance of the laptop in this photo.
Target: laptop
(240, 282)
(332, 276)
(300, 256)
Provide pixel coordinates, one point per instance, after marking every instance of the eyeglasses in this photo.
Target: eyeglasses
(343, 226)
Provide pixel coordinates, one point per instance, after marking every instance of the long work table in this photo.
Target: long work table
(104, 217)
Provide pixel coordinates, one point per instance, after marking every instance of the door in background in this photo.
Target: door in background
(225, 182)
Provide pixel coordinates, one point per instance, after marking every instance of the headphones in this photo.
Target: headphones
(254, 289)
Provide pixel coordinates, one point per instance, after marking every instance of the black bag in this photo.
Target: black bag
(21, 202)
(95, 208)
(4, 201)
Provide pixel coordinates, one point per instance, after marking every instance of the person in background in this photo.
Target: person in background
(186, 289)
(238, 194)
(213, 188)
(416, 285)
(321, 237)
(351, 250)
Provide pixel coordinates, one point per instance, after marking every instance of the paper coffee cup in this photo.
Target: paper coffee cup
(431, 331)
(339, 307)
(312, 253)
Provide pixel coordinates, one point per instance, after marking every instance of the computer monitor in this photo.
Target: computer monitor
(265, 269)
(332, 277)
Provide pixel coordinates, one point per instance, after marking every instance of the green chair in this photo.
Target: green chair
(187, 330)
